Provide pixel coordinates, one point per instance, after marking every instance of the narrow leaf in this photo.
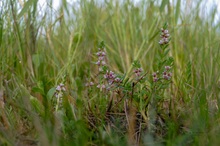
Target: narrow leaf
(27, 5)
(178, 7)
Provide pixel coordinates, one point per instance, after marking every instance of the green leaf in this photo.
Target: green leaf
(102, 44)
(136, 64)
(1, 31)
(37, 105)
(178, 7)
(158, 97)
(163, 86)
(37, 59)
(50, 93)
(79, 84)
(126, 80)
(163, 4)
(148, 85)
(166, 52)
(37, 89)
(26, 7)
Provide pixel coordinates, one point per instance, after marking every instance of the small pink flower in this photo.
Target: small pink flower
(137, 74)
(89, 84)
(135, 71)
(58, 88)
(166, 77)
(164, 37)
(101, 58)
(103, 63)
(118, 80)
(111, 73)
(101, 86)
(98, 63)
(103, 53)
(99, 53)
(140, 69)
(154, 74)
(100, 69)
(110, 82)
(161, 42)
(155, 79)
(167, 68)
(166, 31)
(169, 74)
(166, 40)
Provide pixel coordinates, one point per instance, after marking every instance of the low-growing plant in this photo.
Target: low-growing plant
(134, 95)
(131, 102)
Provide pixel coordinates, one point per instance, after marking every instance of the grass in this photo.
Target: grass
(42, 48)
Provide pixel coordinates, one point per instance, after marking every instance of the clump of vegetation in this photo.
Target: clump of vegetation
(135, 98)
(141, 85)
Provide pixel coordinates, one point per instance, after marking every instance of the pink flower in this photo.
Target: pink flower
(137, 74)
(118, 80)
(58, 88)
(138, 71)
(164, 37)
(167, 68)
(98, 63)
(100, 69)
(109, 75)
(102, 86)
(103, 53)
(99, 53)
(166, 31)
(89, 84)
(155, 79)
(154, 74)
(169, 74)
(101, 58)
(103, 63)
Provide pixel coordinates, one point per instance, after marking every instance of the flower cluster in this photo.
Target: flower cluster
(101, 59)
(111, 77)
(167, 74)
(101, 86)
(89, 84)
(165, 37)
(138, 71)
(155, 77)
(106, 75)
(59, 90)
